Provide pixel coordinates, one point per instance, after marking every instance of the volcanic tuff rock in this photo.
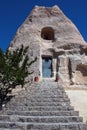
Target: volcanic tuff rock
(65, 30)
(61, 54)
(49, 33)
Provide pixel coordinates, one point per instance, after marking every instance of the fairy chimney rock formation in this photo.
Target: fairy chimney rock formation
(56, 42)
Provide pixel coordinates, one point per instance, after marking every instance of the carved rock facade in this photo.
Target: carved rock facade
(56, 42)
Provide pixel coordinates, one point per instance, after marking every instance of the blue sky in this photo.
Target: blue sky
(14, 12)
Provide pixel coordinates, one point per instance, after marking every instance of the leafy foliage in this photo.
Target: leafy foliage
(13, 69)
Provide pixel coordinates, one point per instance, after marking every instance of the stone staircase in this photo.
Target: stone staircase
(43, 107)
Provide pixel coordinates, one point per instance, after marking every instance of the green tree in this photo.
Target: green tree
(13, 69)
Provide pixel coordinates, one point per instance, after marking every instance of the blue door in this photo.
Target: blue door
(47, 67)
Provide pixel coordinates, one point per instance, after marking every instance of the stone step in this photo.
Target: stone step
(41, 108)
(44, 88)
(53, 99)
(41, 119)
(8, 129)
(57, 126)
(51, 93)
(45, 96)
(43, 91)
(43, 113)
(48, 96)
(40, 103)
(42, 126)
(49, 90)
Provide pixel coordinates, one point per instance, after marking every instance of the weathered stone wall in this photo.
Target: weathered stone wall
(79, 72)
(60, 39)
(63, 69)
(75, 59)
(72, 69)
(34, 52)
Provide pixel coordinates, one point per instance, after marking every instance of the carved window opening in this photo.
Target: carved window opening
(47, 33)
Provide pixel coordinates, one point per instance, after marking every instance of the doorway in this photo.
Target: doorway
(47, 67)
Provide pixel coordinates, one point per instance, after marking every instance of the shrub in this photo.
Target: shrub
(13, 70)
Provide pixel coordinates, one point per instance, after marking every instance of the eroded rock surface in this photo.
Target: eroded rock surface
(49, 33)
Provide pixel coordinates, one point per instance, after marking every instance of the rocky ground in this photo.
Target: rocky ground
(78, 98)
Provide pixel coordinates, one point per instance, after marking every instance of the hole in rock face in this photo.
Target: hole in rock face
(47, 33)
